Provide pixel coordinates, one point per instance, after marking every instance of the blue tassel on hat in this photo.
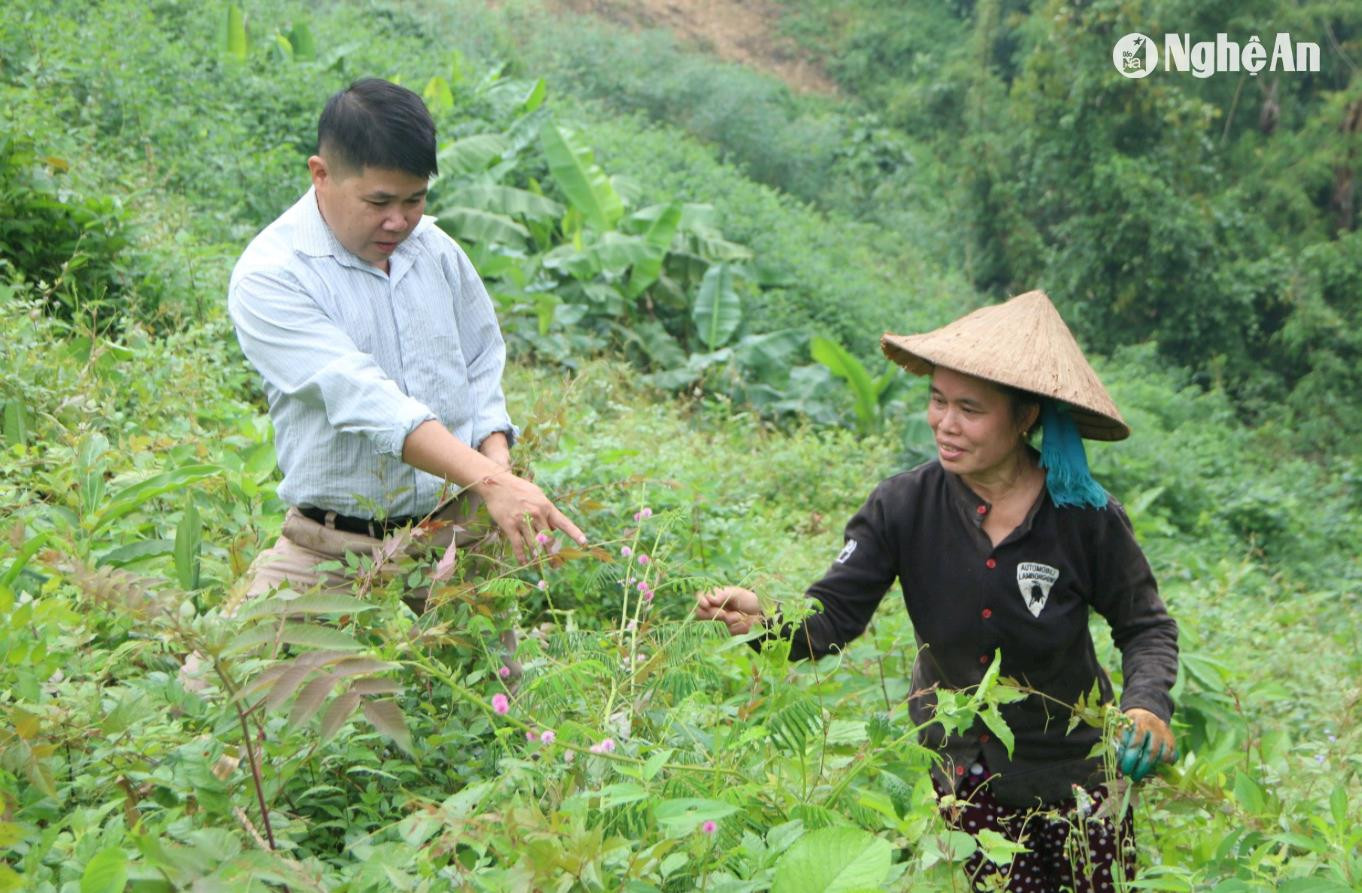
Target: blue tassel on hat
(1065, 463)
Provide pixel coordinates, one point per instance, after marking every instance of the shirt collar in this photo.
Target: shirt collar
(974, 508)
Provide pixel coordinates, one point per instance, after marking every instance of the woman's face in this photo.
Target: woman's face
(973, 423)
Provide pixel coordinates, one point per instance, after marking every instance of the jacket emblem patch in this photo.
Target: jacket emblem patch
(846, 552)
(1034, 580)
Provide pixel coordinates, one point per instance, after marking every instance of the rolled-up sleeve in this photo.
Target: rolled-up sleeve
(303, 354)
(483, 348)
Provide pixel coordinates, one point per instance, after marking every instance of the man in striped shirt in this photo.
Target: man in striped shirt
(380, 351)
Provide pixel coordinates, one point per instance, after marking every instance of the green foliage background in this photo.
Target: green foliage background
(693, 312)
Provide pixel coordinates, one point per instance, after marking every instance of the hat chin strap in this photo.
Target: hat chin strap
(1065, 462)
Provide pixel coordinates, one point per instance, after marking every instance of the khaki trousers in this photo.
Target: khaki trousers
(304, 544)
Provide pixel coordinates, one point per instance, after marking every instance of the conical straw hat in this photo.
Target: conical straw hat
(1022, 343)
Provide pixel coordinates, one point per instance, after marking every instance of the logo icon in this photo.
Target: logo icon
(846, 552)
(1135, 55)
(1034, 580)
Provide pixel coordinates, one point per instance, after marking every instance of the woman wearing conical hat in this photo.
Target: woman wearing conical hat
(999, 547)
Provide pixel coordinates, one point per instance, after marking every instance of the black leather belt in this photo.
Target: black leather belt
(367, 526)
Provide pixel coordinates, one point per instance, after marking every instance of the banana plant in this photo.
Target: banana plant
(867, 393)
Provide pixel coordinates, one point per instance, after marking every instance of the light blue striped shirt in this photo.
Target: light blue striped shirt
(354, 359)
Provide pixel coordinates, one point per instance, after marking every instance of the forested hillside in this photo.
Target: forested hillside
(692, 260)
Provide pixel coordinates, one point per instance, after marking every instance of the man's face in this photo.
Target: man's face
(370, 210)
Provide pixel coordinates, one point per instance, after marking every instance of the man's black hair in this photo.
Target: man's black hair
(376, 123)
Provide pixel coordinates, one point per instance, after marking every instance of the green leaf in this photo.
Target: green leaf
(535, 97)
(133, 552)
(472, 153)
(495, 198)
(658, 237)
(1338, 806)
(482, 226)
(106, 872)
(841, 363)
(232, 40)
(586, 186)
(683, 815)
(621, 793)
(1250, 793)
(834, 860)
(999, 727)
(336, 715)
(718, 309)
(188, 542)
(387, 717)
(439, 98)
(292, 634)
(285, 603)
(304, 47)
(132, 497)
(311, 698)
(16, 423)
(996, 848)
(769, 357)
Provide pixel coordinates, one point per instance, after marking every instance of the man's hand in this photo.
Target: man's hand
(1145, 742)
(733, 606)
(518, 507)
(522, 511)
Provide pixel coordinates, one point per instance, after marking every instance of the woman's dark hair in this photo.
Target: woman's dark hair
(376, 123)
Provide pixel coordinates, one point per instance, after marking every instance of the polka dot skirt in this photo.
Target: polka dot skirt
(1070, 849)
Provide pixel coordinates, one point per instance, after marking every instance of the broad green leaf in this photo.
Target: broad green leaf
(472, 153)
(621, 793)
(1338, 806)
(841, 363)
(135, 495)
(133, 552)
(232, 40)
(615, 252)
(437, 95)
(311, 698)
(718, 309)
(659, 237)
(999, 727)
(482, 226)
(336, 715)
(304, 47)
(106, 872)
(387, 717)
(769, 357)
(292, 634)
(834, 860)
(506, 200)
(1250, 793)
(586, 186)
(282, 605)
(535, 97)
(684, 815)
(188, 542)
(997, 848)
(16, 423)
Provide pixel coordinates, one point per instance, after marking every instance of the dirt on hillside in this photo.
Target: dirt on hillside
(742, 31)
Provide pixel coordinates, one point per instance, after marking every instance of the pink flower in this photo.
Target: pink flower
(504, 673)
(547, 737)
(542, 585)
(645, 514)
(643, 559)
(709, 827)
(642, 585)
(626, 551)
(530, 736)
(542, 539)
(648, 596)
(500, 704)
(607, 746)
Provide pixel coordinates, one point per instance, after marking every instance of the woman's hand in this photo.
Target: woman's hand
(1145, 742)
(733, 606)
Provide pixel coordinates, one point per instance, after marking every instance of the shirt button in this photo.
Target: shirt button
(983, 510)
(991, 564)
(983, 739)
(986, 613)
(984, 658)
(959, 770)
